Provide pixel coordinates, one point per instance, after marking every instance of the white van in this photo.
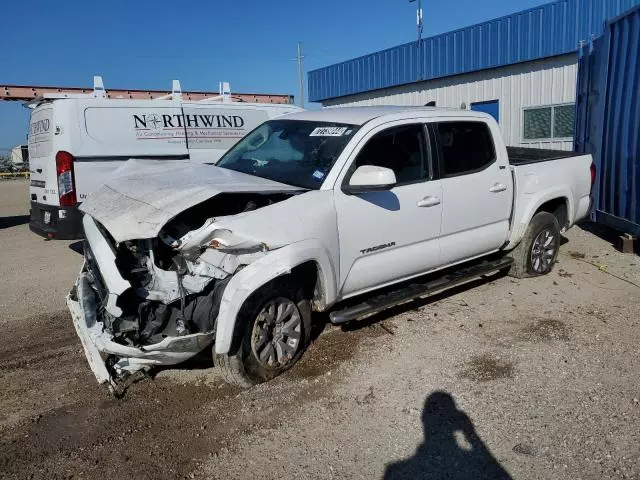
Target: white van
(76, 143)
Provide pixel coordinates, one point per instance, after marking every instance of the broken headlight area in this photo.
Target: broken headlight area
(169, 295)
(146, 322)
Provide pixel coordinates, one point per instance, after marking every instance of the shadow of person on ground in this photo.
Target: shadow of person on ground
(8, 222)
(451, 449)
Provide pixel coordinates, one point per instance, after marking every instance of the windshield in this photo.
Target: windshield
(298, 153)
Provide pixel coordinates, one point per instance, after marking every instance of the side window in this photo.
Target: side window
(563, 121)
(548, 123)
(402, 149)
(465, 147)
(537, 123)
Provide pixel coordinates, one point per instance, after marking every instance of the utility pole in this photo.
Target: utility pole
(419, 42)
(419, 19)
(300, 57)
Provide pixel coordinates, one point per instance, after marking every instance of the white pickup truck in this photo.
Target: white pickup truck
(350, 210)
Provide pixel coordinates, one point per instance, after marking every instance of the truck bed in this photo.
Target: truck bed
(539, 178)
(524, 156)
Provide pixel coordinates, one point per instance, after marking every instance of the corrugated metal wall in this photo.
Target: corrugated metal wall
(544, 82)
(549, 30)
(608, 122)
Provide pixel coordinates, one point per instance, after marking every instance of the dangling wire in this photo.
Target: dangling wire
(182, 324)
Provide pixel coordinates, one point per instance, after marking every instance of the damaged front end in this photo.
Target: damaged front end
(143, 303)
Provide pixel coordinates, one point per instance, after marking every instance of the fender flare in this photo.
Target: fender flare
(257, 274)
(558, 194)
(533, 206)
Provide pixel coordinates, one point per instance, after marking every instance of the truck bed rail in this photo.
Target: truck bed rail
(524, 156)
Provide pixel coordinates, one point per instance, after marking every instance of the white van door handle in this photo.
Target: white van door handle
(429, 202)
(498, 187)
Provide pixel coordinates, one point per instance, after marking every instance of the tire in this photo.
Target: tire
(259, 326)
(535, 256)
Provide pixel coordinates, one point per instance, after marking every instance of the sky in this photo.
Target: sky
(144, 44)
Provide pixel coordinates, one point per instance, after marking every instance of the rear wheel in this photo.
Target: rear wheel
(273, 330)
(537, 252)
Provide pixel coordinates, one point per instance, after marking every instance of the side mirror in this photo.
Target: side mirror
(369, 178)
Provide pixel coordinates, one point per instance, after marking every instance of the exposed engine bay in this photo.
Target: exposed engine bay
(178, 278)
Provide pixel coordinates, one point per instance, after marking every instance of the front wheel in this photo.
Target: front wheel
(537, 252)
(272, 332)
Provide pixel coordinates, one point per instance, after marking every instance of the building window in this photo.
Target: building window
(537, 123)
(563, 121)
(549, 123)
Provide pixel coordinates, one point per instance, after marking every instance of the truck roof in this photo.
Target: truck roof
(361, 115)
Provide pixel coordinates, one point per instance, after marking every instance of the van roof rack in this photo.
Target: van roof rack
(98, 92)
(34, 95)
(224, 96)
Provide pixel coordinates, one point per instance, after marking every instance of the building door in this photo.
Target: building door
(492, 107)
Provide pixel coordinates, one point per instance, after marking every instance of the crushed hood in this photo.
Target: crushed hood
(143, 195)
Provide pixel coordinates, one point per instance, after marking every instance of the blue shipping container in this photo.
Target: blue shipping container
(608, 120)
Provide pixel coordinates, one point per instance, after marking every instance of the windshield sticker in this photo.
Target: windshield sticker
(328, 132)
(318, 175)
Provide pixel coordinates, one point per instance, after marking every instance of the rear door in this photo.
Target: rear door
(42, 169)
(477, 189)
(212, 129)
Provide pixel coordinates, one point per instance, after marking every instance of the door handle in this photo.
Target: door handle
(429, 202)
(498, 187)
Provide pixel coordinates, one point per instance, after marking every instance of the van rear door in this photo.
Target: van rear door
(211, 130)
(42, 187)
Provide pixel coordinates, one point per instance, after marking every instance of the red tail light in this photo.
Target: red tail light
(593, 174)
(66, 179)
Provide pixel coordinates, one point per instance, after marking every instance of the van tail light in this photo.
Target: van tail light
(593, 174)
(66, 179)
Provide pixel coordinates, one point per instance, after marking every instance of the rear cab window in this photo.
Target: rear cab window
(463, 147)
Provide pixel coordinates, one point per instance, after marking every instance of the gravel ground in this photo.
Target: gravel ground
(36, 273)
(500, 378)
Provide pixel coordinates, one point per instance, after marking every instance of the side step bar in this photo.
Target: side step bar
(412, 291)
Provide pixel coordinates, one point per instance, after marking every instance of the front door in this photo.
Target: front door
(390, 235)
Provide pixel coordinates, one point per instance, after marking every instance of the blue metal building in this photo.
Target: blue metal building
(521, 68)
